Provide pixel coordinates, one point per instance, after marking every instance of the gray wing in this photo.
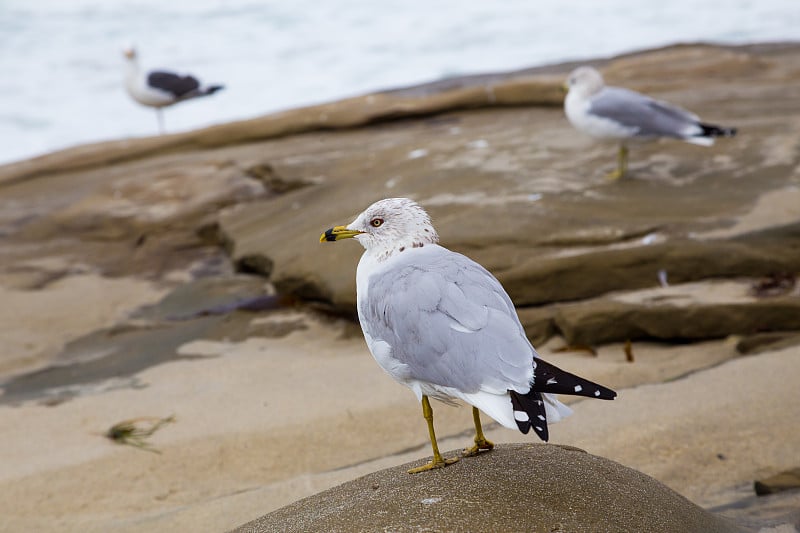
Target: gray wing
(450, 322)
(651, 118)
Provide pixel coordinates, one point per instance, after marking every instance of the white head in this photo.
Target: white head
(585, 81)
(388, 226)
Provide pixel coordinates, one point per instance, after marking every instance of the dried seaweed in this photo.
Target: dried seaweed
(135, 431)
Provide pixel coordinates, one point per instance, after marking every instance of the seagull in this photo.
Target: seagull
(441, 324)
(159, 88)
(615, 113)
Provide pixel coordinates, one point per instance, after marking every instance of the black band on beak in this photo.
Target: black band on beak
(329, 235)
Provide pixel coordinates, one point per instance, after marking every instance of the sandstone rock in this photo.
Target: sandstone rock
(780, 482)
(761, 342)
(680, 312)
(519, 487)
(512, 190)
(347, 113)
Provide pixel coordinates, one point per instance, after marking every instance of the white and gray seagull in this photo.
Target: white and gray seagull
(615, 113)
(441, 324)
(160, 88)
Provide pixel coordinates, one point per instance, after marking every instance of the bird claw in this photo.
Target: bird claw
(434, 464)
(483, 445)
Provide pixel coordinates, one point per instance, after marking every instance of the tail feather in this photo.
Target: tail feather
(710, 130)
(211, 89)
(551, 379)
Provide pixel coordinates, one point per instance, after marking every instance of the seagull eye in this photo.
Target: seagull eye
(376, 222)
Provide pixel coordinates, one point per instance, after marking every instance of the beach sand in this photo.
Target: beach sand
(264, 422)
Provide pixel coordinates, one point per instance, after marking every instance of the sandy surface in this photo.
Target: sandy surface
(264, 422)
(27, 336)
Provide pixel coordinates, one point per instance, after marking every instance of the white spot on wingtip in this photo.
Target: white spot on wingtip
(597, 393)
(551, 381)
(578, 388)
(539, 429)
(521, 416)
(541, 418)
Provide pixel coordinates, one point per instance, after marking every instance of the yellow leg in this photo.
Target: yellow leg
(622, 164)
(437, 461)
(481, 442)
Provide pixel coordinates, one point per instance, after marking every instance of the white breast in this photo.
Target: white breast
(577, 110)
(136, 85)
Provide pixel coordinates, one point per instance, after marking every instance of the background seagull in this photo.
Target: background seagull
(441, 324)
(159, 88)
(615, 113)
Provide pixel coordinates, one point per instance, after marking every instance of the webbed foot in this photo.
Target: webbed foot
(480, 445)
(436, 462)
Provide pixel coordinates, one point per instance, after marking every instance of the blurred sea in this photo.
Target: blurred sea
(61, 65)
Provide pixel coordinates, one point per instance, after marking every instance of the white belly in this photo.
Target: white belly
(147, 95)
(577, 111)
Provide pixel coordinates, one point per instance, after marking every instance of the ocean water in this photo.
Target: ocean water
(61, 66)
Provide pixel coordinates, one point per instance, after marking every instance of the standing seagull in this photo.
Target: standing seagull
(158, 88)
(442, 325)
(615, 113)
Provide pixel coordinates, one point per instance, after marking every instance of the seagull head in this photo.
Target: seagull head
(585, 81)
(129, 52)
(389, 225)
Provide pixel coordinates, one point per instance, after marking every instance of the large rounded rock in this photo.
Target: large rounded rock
(519, 487)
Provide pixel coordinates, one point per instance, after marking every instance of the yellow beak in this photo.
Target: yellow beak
(338, 233)
(564, 88)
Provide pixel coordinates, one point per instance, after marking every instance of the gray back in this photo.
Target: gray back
(652, 118)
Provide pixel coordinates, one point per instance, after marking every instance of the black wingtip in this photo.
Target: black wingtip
(549, 378)
(529, 412)
(711, 130)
